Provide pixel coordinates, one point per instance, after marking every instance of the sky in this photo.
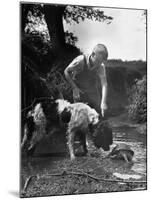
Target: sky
(125, 36)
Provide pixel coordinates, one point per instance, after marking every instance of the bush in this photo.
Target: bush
(56, 82)
(137, 98)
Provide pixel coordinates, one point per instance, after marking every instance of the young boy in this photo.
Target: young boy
(86, 75)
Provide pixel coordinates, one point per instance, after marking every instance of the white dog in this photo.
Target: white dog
(81, 116)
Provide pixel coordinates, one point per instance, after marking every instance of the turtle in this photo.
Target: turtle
(122, 151)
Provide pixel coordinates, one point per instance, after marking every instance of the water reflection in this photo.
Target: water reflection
(137, 141)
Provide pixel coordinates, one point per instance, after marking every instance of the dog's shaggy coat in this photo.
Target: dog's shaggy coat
(81, 117)
(78, 117)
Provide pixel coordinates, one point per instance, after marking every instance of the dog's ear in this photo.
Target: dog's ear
(107, 136)
(103, 136)
(108, 133)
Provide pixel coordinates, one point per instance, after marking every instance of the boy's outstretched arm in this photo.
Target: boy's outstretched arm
(103, 79)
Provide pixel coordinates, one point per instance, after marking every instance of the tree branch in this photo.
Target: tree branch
(80, 173)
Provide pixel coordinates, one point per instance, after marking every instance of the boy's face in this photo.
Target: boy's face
(97, 58)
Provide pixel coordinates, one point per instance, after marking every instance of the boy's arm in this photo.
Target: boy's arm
(75, 67)
(103, 79)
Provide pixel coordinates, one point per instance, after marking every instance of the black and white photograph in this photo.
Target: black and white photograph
(83, 91)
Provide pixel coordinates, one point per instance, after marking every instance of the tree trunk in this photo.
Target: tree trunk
(54, 20)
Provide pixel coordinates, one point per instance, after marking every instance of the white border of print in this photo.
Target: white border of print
(9, 100)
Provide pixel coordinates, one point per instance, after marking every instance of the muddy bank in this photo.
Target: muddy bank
(57, 175)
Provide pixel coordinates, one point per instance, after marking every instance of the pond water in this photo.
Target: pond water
(137, 141)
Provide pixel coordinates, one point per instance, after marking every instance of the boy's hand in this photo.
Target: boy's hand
(76, 93)
(103, 108)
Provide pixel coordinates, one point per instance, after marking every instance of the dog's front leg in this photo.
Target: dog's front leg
(71, 135)
(83, 141)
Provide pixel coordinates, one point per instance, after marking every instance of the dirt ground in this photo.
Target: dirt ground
(47, 175)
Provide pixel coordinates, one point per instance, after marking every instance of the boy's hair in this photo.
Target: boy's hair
(102, 49)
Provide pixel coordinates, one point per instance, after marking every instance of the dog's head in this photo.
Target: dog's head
(102, 135)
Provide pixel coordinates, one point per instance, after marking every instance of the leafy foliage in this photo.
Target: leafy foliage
(71, 13)
(37, 25)
(121, 76)
(70, 38)
(137, 108)
(36, 19)
(80, 13)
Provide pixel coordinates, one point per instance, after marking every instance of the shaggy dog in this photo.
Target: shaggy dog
(51, 113)
(80, 116)
(80, 120)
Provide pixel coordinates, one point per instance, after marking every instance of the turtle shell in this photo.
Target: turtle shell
(121, 147)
